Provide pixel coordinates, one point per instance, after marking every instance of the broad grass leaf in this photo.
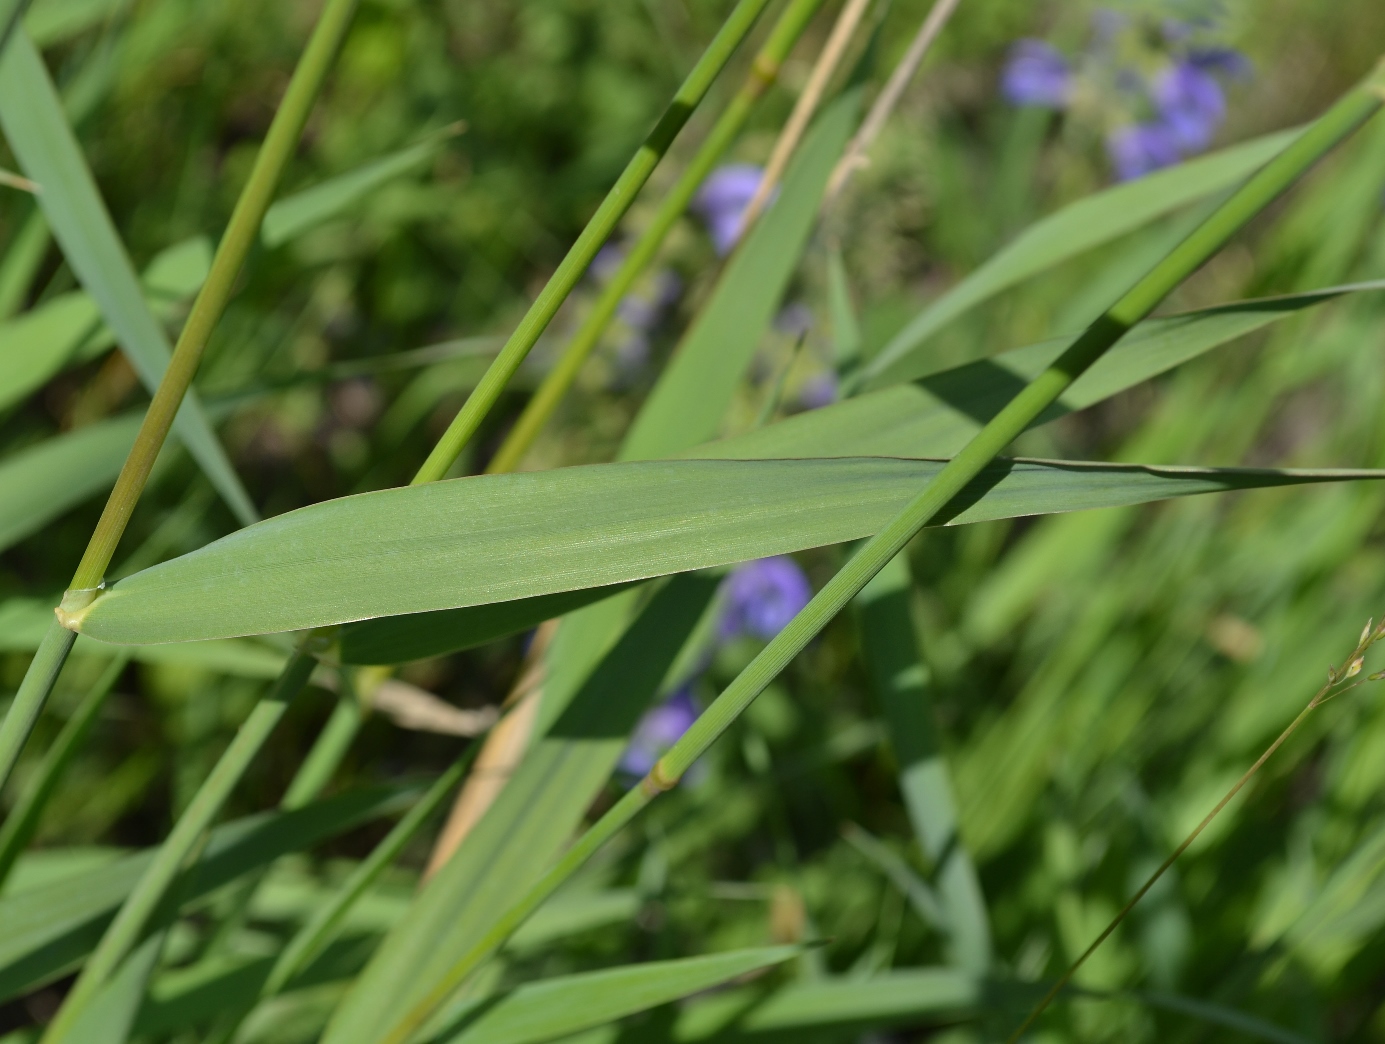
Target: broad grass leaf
(1073, 230)
(50, 928)
(552, 1008)
(68, 327)
(540, 807)
(292, 216)
(900, 679)
(690, 399)
(495, 538)
(400, 639)
(40, 482)
(936, 414)
(36, 129)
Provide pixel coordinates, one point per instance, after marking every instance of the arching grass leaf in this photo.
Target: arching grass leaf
(292, 216)
(938, 413)
(495, 538)
(1077, 228)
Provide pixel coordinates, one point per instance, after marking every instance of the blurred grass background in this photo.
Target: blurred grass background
(1100, 678)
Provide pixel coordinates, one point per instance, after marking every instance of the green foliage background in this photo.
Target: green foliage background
(1099, 678)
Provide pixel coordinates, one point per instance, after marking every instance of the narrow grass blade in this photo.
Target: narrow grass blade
(764, 70)
(292, 216)
(502, 537)
(689, 401)
(840, 1005)
(140, 907)
(68, 328)
(23, 818)
(900, 874)
(314, 936)
(50, 928)
(111, 1015)
(52, 22)
(900, 679)
(1077, 228)
(597, 230)
(936, 414)
(1259, 192)
(552, 1008)
(41, 482)
(588, 712)
(36, 128)
(21, 262)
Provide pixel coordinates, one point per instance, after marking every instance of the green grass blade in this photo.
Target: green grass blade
(68, 328)
(23, 818)
(1077, 228)
(552, 1008)
(50, 928)
(159, 877)
(900, 678)
(936, 414)
(111, 1015)
(21, 262)
(292, 216)
(501, 537)
(900, 874)
(597, 230)
(52, 22)
(589, 711)
(39, 483)
(401, 639)
(689, 401)
(36, 128)
(314, 936)
(840, 1005)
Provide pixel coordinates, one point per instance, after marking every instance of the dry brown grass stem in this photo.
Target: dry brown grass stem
(807, 104)
(855, 156)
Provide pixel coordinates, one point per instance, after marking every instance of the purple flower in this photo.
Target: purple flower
(819, 391)
(763, 596)
(1225, 60)
(658, 730)
(1142, 147)
(1191, 105)
(1037, 74)
(606, 261)
(722, 200)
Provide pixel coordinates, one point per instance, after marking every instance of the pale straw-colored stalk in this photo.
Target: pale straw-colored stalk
(855, 156)
(807, 104)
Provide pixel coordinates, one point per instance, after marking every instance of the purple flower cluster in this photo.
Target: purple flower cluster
(658, 730)
(1154, 119)
(761, 597)
(722, 199)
